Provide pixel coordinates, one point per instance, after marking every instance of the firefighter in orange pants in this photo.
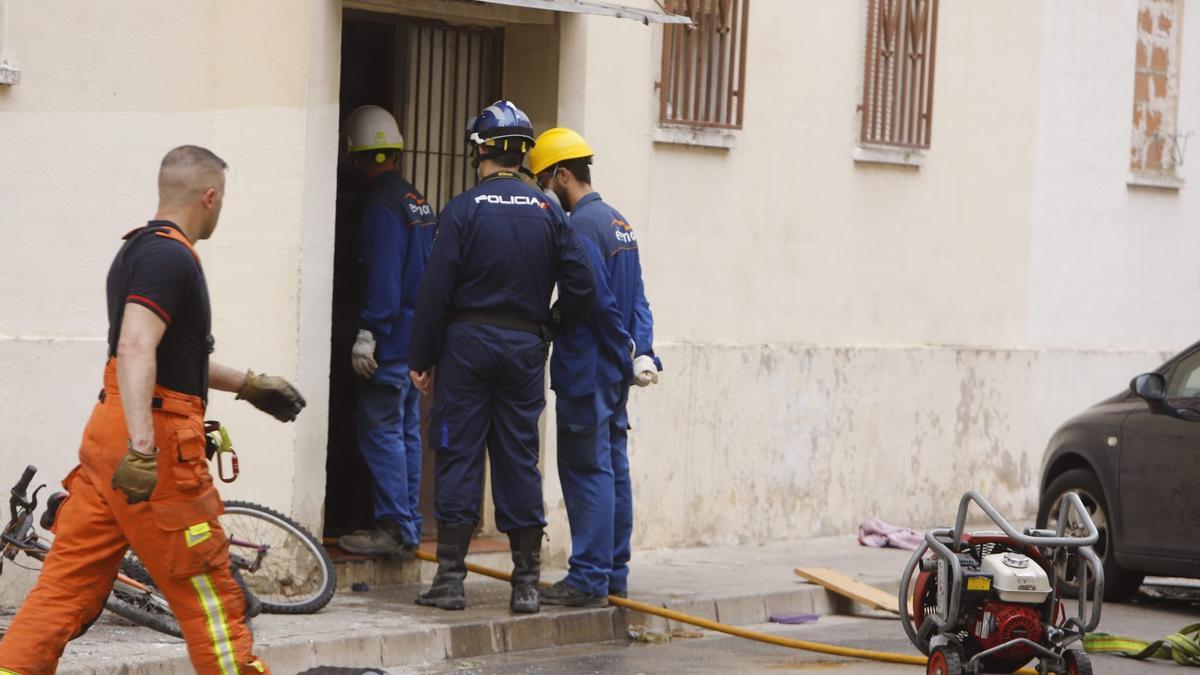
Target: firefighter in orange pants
(142, 481)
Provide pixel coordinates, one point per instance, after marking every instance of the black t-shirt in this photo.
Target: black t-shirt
(164, 276)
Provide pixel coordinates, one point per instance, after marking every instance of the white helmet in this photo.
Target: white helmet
(370, 127)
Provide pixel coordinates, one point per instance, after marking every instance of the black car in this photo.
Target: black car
(1134, 459)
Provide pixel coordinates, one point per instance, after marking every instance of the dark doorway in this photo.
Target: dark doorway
(433, 77)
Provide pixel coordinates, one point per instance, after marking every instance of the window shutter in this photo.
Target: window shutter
(897, 106)
(703, 80)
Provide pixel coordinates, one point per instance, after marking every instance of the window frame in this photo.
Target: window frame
(720, 110)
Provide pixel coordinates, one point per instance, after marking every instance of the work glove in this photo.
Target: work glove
(645, 373)
(136, 475)
(362, 357)
(272, 395)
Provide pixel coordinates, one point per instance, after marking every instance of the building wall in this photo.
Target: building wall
(844, 340)
(105, 92)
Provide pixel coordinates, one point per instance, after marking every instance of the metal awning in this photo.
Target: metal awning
(646, 16)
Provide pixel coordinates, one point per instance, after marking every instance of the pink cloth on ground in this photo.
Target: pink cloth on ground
(878, 534)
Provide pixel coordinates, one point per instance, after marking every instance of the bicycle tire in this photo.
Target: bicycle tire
(300, 584)
(145, 608)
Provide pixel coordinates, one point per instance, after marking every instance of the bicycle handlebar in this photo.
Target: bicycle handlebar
(23, 484)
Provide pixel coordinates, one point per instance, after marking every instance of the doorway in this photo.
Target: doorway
(433, 77)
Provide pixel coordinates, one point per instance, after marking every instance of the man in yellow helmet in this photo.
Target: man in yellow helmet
(396, 239)
(592, 383)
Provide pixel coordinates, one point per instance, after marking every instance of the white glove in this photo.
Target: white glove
(645, 373)
(362, 357)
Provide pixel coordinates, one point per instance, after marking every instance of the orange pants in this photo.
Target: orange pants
(176, 534)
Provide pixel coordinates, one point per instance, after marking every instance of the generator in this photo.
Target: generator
(988, 601)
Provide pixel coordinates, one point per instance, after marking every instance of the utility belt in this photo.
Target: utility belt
(169, 405)
(544, 331)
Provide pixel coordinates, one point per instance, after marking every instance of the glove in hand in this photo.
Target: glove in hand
(136, 476)
(645, 373)
(272, 395)
(362, 357)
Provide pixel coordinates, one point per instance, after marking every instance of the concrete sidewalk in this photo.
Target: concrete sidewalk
(736, 585)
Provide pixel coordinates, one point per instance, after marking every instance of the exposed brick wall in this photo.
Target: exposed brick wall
(1155, 88)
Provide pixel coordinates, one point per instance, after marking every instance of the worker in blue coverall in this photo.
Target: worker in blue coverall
(397, 235)
(480, 340)
(593, 424)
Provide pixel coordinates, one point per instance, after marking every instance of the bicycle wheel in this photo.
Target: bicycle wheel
(145, 607)
(284, 565)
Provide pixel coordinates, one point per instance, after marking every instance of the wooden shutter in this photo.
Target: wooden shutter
(703, 80)
(897, 106)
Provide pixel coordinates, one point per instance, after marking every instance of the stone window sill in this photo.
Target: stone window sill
(704, 137)
(1154, 180)
(886, 154)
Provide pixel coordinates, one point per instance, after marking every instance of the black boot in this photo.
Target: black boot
(527, 568)
(447, 590)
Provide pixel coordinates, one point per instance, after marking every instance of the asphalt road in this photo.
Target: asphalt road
(1153, 614)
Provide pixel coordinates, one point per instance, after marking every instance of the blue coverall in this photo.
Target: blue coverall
(501, 247)
(397, 235)
(595, 220)
(590, 371)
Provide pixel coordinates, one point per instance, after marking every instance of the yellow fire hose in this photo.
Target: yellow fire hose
(890, 657)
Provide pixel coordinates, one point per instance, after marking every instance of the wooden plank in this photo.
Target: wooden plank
(845, 586)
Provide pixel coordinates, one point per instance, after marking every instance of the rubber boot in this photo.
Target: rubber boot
(526, 546)
(447, 590)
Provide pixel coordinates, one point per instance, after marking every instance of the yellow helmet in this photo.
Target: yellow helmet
(556, 145)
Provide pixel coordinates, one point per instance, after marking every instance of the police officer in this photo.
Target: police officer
(483, 319)
(397, 234)
(142, 480)
(592, 421)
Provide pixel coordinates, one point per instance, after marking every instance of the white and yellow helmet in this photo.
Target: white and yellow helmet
(371, 128)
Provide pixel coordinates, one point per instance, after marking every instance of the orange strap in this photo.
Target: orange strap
(172, 233)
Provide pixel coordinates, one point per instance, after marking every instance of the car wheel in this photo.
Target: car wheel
(1119, 584)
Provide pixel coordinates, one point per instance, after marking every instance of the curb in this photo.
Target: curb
(416, 642)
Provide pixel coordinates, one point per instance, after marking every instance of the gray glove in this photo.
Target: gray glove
(362, 357)
(645, 373)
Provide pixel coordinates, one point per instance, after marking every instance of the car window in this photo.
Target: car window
(1185, 381)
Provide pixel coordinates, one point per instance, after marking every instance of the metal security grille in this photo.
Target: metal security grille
(897, 107)
(703, 79)
(449, 74)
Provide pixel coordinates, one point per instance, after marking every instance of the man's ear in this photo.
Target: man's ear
(209, 197)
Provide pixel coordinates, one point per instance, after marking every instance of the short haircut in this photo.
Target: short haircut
(186, 172)
(509, 159)
(579, 168)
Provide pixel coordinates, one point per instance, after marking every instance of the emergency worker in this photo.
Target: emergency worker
(142, 480)
(397, 234)
(484, 319)
(593, 425)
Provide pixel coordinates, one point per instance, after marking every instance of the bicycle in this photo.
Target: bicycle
(281, 567)
(132, 597)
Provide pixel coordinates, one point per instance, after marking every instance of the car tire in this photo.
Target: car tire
(1119, 584)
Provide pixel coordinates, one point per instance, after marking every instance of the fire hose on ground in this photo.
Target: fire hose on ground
(834, 650)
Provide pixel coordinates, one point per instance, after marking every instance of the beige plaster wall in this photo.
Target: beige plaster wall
(106, 90)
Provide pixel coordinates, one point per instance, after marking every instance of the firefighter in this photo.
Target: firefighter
(593, 425)
(142, 480)
(480, 337)
(397, 234)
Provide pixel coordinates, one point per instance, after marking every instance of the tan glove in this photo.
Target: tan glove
(272, 395)
(362, 357)
(136, 475)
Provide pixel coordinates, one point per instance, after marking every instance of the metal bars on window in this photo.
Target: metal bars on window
(897, 106)
(449, 74)
(703, 81)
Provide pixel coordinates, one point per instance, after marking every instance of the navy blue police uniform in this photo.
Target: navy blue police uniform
(482, 319)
